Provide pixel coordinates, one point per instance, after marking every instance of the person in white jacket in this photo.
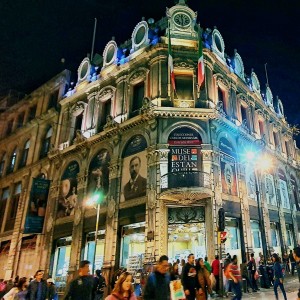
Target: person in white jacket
(15, 290)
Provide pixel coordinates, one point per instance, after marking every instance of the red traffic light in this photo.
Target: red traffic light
(223, 235)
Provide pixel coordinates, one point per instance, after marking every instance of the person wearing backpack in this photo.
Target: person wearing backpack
(158, 283)
(278, 276)
(99, 285)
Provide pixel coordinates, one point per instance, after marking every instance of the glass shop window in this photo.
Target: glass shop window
(256, 235)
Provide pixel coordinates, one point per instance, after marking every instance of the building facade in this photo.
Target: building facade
(166, 156)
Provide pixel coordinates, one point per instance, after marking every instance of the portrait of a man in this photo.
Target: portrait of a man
(136, 185)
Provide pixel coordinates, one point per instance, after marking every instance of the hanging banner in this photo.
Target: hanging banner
(37, 206)
(228, 174)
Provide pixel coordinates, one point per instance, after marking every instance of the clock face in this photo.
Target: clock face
(182, 20)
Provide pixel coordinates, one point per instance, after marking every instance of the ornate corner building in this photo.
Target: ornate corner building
(166, 154)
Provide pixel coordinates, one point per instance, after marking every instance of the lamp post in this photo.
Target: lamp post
(95, 201)
(264, 164)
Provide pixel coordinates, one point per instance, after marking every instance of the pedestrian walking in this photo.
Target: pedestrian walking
(16, 292)
(207, 264)
(189, 278)
(235, 275)
(81, 287)
(37, 289)
(99, 285)
(158, 284)
(203, 280)
(123, 289)
(51, 293)
(278, 276)
(296, 254)
(215, 266)
(245, 275)
(252, 270)
(174, 271)
(293, 262)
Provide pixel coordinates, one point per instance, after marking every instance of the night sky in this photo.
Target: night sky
(36, 34)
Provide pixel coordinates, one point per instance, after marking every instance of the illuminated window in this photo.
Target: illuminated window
(46, 143)
(12, 162)
(25, 154)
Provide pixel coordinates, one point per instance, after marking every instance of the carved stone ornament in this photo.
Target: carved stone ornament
(151, 198)
(77, 216)
(106, 93)
(139, 75)
(111, 207)
(78, 108)
(49, 224)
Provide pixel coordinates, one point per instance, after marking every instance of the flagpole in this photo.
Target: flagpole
(169, 71)
(93, 42)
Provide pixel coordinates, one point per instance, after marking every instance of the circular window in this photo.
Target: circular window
(140, 35)
(110, 54)
(84, 69)
(255, 82)
(218, 43)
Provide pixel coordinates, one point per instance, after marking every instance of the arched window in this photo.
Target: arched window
(46, 143)
(12, 162)
(2, 163)
(25, 154)
(221, 98)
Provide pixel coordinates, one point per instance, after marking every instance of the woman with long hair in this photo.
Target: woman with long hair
(278, 276)
(203, 282)
(123, 289)
(17, 292)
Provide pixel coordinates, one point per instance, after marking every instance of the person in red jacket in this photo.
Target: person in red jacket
(216, 271)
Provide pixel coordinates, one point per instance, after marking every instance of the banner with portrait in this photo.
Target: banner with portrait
(270, 189)
(295, 192)
(134, 170)
(37, 206)
(98, 178)
(228, 174)
(67, 200)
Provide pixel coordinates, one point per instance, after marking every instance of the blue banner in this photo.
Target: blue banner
(37, 206)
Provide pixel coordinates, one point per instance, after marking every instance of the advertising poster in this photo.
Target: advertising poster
(177, 292)
(184, 156)
(68, 201)
(270, 189)
(99, 173)
(37, 206)
(134, 171)
(228, 174)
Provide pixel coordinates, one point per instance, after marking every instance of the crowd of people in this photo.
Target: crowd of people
(192, 279)
(34, 288)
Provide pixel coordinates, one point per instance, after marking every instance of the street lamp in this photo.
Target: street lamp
(261, 163)
(95, 201)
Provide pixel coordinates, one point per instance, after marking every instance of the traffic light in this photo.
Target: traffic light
(221, 219)
(223, 237)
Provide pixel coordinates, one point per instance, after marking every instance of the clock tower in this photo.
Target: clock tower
(182, 21)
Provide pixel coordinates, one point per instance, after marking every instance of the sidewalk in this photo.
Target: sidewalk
(291, 285)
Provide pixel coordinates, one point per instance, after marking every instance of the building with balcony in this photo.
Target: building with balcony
(167, 156)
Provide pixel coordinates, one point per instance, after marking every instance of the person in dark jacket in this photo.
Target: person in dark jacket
(158, 283)
(189, 278)
(51, 295)
(37, 289)
(278, 277)
(81, 287)
(99, 285)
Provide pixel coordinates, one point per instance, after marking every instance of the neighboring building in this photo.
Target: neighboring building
(166, 160)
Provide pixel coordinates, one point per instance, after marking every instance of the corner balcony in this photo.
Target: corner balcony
(185, 187)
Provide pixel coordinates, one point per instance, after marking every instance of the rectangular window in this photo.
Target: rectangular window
(13, 207)
(3, 202)
(256, 234)
(137, 99)
(261, 128)
(105, 112)
(287, 148)
(53, 99)
(20, 120)
(9, 127)
(274, 237)
(276, 139)
(32, 112)
(244, 115)
(184, 87)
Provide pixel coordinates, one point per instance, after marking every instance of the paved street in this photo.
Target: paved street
(291, 286)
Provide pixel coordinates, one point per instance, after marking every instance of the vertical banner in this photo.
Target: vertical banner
(284, 195)
(37, 206)
(228, 174)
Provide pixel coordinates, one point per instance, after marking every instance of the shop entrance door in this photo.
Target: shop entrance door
(186, 232)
